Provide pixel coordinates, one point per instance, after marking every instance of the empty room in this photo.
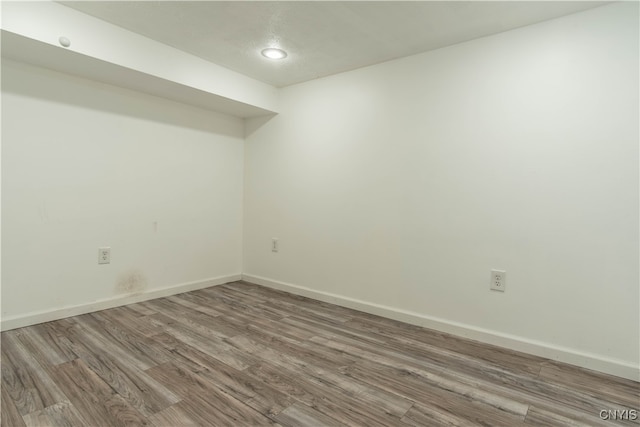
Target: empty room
(320, 213)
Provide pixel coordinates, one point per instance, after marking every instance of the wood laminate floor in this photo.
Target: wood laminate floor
(241, 354)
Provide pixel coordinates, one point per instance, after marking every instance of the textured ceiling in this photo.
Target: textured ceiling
(322, 38)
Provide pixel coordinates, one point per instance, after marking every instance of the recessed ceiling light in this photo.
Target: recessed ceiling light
(274, 53)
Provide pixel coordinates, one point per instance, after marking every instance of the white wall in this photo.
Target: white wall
(86, 165)
(396, 188)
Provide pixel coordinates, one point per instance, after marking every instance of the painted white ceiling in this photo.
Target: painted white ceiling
(322, 38)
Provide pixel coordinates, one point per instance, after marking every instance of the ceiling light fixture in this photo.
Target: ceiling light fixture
(274, 53)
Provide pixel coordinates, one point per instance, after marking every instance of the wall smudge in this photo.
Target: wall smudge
(131, 282)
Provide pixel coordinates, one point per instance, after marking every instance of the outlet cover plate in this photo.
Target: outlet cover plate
(498, 280)
(104, 255)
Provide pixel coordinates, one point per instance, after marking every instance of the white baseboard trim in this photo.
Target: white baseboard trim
(550, 351)
(102, 304)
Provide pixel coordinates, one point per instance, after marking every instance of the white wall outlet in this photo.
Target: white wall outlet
(274, 245)
(498, 280)
(104, 255)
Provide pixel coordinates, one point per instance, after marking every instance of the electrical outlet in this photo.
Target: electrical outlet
(498, 280)
(274, 245)
(104, 255)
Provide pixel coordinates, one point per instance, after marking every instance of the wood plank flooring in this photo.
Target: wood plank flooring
(245, 355)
